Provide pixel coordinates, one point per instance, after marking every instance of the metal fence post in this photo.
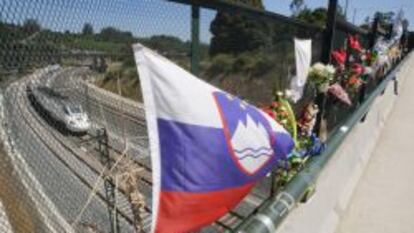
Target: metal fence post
(329, 35)
(195, 39)
(372, 38)
(374, 33)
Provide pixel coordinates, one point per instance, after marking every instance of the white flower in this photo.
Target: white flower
(288, 93)
(321, 74)
(330, 69)
(318, 67)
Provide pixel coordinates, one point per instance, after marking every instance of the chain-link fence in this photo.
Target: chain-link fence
(75, 146)
(75, 153)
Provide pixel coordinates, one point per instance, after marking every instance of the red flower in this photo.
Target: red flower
(354, 81)
(339, 56)
(357, 69)
(269, 112)
(353, 42)
(275, 104)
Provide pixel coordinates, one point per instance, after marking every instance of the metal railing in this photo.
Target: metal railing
(253, 59)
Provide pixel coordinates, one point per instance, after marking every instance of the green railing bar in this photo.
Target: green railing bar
(224, 5)
(272, 213)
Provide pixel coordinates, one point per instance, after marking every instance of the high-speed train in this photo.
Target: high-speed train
(60, 107)
(75, 118)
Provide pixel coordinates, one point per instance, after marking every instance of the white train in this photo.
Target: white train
(75, 118)
(60, 108)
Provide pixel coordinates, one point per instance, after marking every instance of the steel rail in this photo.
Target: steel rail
(29, 123)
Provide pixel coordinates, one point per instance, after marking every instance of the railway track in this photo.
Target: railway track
(93, 163)
(75, 152)
(83, 175)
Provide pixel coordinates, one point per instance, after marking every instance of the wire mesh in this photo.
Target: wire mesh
(337, 112)
(75, 149)
(71, 114)
(244, 52)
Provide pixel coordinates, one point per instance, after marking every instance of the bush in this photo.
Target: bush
(263, 64)
(221, 64)
(249, 64)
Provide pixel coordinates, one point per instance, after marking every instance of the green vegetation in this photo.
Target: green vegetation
(28, 46)
(87, 29)
(121, 79)
(250, 53)
(235, 33)
(245, 53)
(316, 16)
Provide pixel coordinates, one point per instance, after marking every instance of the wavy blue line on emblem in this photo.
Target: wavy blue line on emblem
(253, 150)
(255, 156)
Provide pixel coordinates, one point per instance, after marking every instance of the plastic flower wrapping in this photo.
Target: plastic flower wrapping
(307, 120)
(339, 92)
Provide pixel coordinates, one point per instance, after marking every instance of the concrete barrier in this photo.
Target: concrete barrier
(335, 186)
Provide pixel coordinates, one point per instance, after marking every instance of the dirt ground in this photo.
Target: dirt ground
(21, 214)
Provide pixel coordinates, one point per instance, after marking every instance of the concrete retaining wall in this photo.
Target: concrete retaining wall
(335, 186)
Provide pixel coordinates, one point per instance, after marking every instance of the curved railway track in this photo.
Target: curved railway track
(72, 144)
(84, 167)
(77, 169)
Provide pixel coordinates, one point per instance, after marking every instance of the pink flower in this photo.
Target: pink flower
(357, 69)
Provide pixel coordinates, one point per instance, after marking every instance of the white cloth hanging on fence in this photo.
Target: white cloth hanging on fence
(398, 28)
(303, 56)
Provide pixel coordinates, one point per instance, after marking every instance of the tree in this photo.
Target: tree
(87, 29)
(252, 3)
(318, 16)
(366, 24)
(237, 33)
(31, 26)
(385, 19)
(296, 6)
(116, 35)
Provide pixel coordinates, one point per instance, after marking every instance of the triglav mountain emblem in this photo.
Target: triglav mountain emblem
(247, 133)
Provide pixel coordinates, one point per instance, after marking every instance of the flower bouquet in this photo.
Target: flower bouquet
(282, 112)
(321, 75)
(307, 121)
(354, 80)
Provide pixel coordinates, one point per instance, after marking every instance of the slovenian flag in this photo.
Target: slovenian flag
(208, 148)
